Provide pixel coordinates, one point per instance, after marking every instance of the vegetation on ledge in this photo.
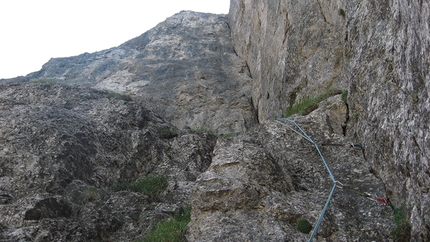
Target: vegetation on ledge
(308, 104)
(171, 229)
(152, 185)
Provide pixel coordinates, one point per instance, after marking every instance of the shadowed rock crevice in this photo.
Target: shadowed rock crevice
(48, 208)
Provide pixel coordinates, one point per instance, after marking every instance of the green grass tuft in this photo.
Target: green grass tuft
(301, 106)
(91, 194)
(341, 12)
(152, 185)
(402, 229)
(308, 104)
(304, 226)
(119, 96)
(172, 229)
(167, 133)
(204, 130)
(344, 96)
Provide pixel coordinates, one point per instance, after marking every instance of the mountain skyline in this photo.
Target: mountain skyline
(33, 32)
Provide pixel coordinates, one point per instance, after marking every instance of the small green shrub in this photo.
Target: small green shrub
(172, 229)
(402, 229)
(308, 104)
(304, 226)
(341, 12)
(119, 96)
(167, 133)
(152, 185)
(344, 96)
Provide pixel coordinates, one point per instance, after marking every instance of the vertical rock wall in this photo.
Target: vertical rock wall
(293, 49)
(389, 78)
(378, 51)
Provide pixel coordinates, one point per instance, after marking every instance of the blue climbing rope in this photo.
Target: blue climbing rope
(303, 134)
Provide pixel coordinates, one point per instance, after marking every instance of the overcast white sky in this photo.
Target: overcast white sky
(33, 31)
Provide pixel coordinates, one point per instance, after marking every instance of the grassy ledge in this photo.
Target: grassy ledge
(152, 185)
(308, 104)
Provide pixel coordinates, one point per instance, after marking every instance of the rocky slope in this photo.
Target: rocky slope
(195, 101)
(62, 150)
(378, 51)
(185, 69)
(259, 184)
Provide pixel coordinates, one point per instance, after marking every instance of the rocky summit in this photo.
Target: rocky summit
(185, 69)
(233, 127)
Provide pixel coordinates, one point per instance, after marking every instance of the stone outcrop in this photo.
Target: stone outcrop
(259, 184)
(63, 147)
(390, 90)
(378, 51)
(196, 99)
(185, 69)
(293, 49)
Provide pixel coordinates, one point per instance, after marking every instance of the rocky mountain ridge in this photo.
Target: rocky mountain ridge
(195, 101)
(185, 69)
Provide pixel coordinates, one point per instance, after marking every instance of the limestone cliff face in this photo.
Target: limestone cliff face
(83, 124)
(185, 69)
(293, 49)
(378, 51)
(389, 79)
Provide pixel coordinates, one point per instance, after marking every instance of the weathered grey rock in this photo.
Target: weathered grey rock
(62, 147)
(390, 76)
(293, 49)
(185, 69)
(260, 183)
(65, 137)
(378, 51)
